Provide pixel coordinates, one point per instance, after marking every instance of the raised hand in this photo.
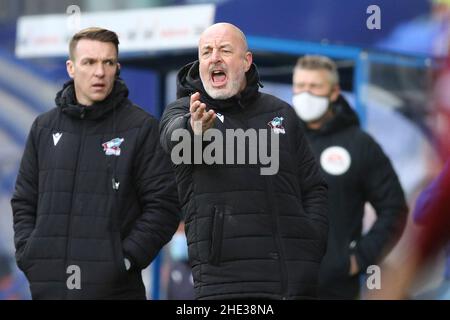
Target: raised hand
(201, 120)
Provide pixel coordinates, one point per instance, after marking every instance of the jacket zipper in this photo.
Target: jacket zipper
(74, 189)
(216, 239)
(275, 228)
(279, 245)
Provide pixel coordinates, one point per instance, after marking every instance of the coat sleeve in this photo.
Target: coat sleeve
(383, 191)
(25, 197)
(313, 187)
(155, 185)
(175, 116)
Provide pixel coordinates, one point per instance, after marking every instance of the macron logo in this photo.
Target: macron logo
(56, 137)
(220, 116)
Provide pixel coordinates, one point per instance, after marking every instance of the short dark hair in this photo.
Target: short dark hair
(93, 33)
(316, 62)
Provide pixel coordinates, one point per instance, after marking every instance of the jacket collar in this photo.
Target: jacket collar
(66, 100)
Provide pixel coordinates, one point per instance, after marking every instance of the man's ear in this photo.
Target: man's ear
(70, 67)
(248, 60)
(118, 70)
(335, 92)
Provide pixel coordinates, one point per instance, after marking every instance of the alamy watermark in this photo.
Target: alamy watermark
(236, 147)
(73, 18)
(74, 280)
(373, 281)
(373, 22)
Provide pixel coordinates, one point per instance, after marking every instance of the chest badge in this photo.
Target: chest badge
(335, 160)
(112, 147)
(277, 125)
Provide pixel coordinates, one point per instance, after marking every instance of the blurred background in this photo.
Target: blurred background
(388, 53)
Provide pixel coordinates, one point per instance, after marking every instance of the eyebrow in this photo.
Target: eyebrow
(226, 45)
(96, 59)
(299, 83)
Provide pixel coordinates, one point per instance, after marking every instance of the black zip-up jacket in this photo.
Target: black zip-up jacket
(366, 175)
(82, 203)
(250, 235)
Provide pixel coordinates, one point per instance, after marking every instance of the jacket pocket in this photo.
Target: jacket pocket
(119, 258)
(22, 260)
(216, 236)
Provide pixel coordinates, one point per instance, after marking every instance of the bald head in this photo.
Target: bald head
(224, 30)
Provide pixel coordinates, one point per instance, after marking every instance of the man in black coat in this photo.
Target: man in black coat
(255, 229)
(95, 199)
(356, 170)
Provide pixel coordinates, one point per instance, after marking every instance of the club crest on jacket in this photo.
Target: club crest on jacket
(335, 160)
(112, 147)
(277, 125)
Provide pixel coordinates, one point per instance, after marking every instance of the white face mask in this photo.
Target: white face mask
(310, 107)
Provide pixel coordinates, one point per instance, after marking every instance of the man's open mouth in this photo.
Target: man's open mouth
(218, 77)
